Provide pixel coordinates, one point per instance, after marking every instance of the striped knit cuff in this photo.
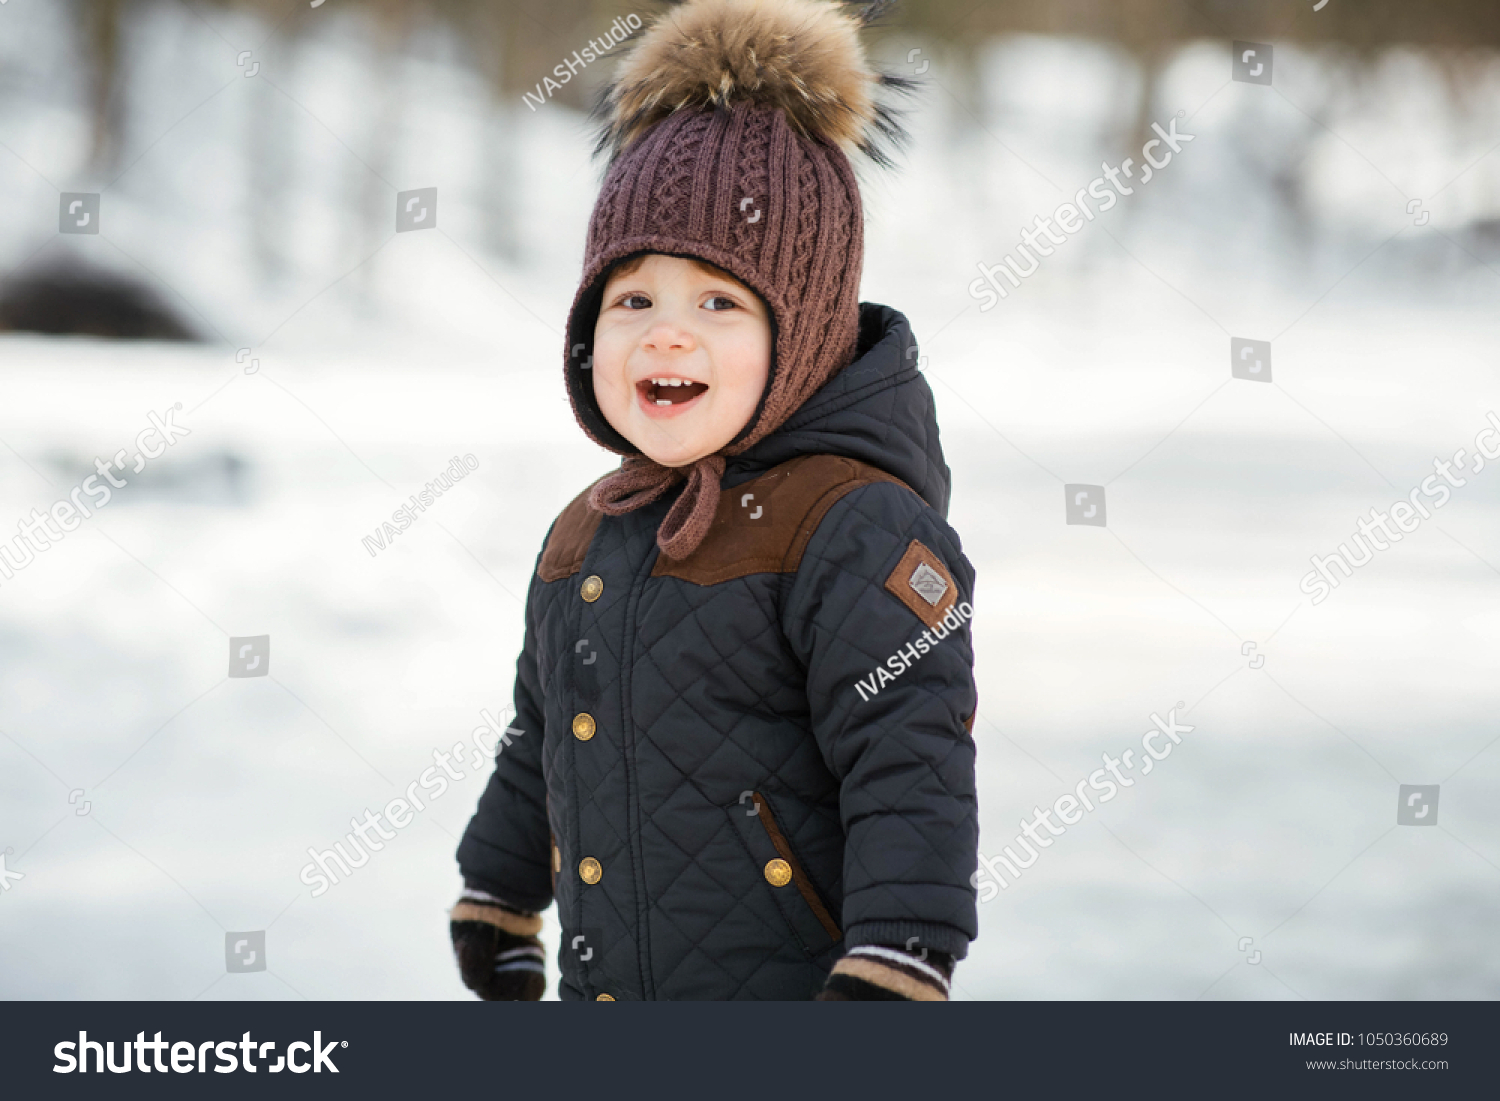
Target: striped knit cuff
(476, 894)
(477, 905)
(526, 958)
(899, 972)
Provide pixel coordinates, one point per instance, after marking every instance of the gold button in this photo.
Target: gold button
(583, 726)
(593, 588)
(589, 870)
(603, 998)
(778, 873)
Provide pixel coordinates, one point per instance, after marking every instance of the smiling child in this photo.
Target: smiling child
(720, 796)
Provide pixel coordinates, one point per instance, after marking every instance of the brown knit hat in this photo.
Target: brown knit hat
(729, 127)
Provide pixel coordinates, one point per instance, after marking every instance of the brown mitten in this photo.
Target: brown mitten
(499, 955)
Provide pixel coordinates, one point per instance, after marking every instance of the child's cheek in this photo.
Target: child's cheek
(604, 394)
(747, 381)
(608, 377)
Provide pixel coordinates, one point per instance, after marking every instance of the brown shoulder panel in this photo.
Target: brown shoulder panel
(570, 539)
(764, 525)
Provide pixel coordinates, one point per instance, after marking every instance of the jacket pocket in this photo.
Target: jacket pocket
(800, 903)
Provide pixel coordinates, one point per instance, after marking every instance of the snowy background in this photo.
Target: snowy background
(1261, 860)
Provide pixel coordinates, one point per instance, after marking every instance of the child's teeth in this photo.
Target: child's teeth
(663, 401)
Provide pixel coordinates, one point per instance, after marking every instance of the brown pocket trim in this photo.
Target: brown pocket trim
(799, 877)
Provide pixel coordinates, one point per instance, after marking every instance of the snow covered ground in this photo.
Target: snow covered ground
(154, 805)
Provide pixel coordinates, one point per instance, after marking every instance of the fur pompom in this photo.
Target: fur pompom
(802, 56)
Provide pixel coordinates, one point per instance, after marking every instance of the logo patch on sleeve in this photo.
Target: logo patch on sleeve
(928, 583)
(923, 584)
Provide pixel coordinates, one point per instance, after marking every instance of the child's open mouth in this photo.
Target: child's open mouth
(668, 394)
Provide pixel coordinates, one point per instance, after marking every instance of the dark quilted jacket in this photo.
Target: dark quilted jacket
(716, 806)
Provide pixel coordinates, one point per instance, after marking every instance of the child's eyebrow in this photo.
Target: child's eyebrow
(718, 282)
(717, 285)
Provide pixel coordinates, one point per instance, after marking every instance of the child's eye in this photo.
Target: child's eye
(728, 303)
(642, 302)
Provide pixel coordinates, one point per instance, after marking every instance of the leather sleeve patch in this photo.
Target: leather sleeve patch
(569, 543)
(923, 584)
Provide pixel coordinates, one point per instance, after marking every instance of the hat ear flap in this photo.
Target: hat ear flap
(579, 372)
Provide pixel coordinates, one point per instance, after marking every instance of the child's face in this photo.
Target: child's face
(680, 358)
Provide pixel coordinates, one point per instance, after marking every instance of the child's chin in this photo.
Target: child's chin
(671, 454)
(681, 441)
(673, 458)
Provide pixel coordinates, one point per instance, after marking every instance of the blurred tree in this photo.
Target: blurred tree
(514, 44)
(99, 23)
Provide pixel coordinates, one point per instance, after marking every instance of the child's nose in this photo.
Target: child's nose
(666, 336)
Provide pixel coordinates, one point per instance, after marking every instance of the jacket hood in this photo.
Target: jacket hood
(879, 410)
